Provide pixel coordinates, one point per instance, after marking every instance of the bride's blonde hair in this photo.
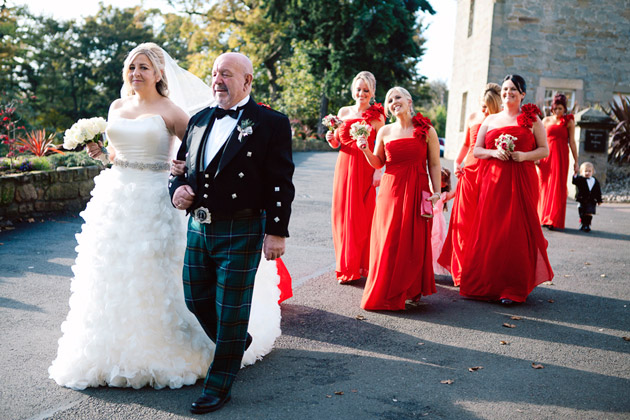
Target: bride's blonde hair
(155, 55)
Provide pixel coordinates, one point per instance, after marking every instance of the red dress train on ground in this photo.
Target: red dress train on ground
(506, 254)
(353, 201)
(401, 264)
(554, 171)
(463, 212)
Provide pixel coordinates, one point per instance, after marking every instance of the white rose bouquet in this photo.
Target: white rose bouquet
(505, 142)
(84, 131)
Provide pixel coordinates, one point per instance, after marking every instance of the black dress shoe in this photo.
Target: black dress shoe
(207, 404)
(248, 341)
(587, 228)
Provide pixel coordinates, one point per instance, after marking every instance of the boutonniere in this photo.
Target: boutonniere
(245, 129)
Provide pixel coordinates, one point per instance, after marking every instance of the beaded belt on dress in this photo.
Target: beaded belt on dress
(155, 166)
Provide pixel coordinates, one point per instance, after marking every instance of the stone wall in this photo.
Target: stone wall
(573, 45)
(38, 193)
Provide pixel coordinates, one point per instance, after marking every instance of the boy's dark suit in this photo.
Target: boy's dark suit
(588, 199)
(247, 191)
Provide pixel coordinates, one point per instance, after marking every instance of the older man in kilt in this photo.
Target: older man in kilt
(238, 191)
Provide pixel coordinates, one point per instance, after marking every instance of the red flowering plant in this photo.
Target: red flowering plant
(8, 129)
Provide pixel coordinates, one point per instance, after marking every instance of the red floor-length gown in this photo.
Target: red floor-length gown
(506, 253)
(401, 265)
(463, 212)
(554, 170)
(353, 201)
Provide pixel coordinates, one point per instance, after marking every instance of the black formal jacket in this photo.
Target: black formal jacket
(254, 172)
(583, 194)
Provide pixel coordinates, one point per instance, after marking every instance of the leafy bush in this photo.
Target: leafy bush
(620, 111)
(72, 159)
(41, 164)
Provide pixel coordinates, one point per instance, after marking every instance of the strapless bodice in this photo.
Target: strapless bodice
(142, 140)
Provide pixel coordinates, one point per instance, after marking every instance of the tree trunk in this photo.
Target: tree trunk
(323, 111)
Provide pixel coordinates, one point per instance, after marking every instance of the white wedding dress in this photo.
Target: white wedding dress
(128, 324)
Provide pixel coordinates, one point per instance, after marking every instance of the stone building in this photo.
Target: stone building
(577, 47)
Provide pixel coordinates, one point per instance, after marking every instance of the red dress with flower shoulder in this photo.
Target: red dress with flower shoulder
(506, 253)
(401, 265)
(554, 171)
(353, 201)
(463, 212)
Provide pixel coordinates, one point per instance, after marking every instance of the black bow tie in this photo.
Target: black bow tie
(220, 112)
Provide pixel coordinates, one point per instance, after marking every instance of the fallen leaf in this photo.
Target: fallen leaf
(537, 366)
(338, 392)
(504, 343)
(359, 317)
(447, 381)
(626, 338)
(587, 263)
(551, 301)
(603, 275)
(506, 325)
(567, 275)
(515, 318)
(394, 400)
(328, 396)
(548, 283)
(421, 344)
(473, 369)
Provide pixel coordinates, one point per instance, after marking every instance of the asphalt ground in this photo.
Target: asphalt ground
(446, 358)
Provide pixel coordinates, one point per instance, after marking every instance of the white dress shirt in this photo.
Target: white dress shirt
(220, 133)
(590, 182)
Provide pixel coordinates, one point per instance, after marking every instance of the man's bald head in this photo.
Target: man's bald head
(232, 75)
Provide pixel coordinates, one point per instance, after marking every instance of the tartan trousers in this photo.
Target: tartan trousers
(220, 266)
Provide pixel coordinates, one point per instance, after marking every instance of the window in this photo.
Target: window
(462, 121)
(550, 93)
(471, 17)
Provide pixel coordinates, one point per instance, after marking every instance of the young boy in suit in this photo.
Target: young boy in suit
(588, 194)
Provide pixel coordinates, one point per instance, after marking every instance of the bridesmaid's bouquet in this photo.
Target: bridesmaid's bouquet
(83, 131)
(332, 122)
(505, 142)
(360, 129)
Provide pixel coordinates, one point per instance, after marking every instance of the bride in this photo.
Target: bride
(128, 324)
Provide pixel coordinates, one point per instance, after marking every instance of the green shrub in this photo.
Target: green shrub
(41, 164)
(72, 159)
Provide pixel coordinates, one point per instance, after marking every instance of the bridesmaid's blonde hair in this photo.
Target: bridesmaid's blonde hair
(404, 92)
(492, 98)
(156, 56)
(369, 80)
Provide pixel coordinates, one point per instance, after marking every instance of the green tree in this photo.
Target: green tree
(346, 37)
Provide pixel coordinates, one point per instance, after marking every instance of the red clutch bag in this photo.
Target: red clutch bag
(426, 207)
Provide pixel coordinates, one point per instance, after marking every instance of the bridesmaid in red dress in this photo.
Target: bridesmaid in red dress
(554, 169)
(506, 252)
(401, 265)
(354, 193)
(467, 193)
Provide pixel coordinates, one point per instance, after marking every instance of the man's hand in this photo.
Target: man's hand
(183, 197)
(273, 247)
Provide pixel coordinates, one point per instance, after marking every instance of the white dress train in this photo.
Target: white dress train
(128, 324)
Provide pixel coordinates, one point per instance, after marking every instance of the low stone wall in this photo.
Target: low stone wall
(38, 193)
